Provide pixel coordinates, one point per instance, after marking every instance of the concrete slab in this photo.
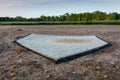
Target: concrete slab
(59, 47)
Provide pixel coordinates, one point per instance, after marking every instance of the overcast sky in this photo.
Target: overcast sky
(36, 8)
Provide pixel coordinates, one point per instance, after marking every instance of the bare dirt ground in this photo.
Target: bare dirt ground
(18, 63)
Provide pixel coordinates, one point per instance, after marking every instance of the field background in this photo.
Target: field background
(96, 17)
(113, 22)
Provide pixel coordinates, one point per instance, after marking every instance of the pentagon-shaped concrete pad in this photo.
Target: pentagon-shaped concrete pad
(59, 47)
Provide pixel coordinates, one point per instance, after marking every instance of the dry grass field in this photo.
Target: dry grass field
(18, 63)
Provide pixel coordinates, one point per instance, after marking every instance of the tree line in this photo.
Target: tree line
(87, 16)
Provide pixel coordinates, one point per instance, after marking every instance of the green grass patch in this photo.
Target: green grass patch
(117, 22)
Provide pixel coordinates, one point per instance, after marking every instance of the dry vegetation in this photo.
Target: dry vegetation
(18, 63)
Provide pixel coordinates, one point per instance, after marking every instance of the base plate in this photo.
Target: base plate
(58, 47)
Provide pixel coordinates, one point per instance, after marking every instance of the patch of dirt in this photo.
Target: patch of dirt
(72, 41)
(18, 63)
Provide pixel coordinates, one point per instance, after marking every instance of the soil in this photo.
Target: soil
(19, 63)
(73, 41)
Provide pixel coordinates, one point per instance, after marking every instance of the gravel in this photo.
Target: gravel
(18, 63)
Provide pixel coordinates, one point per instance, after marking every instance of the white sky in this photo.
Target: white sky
(36, 8)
